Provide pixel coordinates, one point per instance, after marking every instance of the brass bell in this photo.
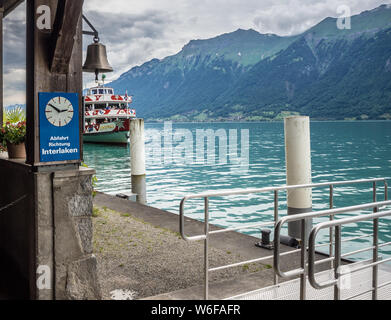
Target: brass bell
(96, 60)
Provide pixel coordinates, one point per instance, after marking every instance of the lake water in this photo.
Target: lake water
(340, 151)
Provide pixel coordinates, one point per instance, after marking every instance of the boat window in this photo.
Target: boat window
(111, 91)
(100, 106)
(94, 91)
(101, 91)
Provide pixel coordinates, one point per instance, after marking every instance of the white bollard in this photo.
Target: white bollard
(298, 170)
(137, 159)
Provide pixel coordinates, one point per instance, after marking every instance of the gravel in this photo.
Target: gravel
(140, 260)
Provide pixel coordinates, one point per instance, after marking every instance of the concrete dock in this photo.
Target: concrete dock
(139, 250)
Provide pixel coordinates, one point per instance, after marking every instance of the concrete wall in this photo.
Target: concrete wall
(50, 228)
(75, 265)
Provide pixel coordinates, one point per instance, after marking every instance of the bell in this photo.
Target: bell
(96, 60)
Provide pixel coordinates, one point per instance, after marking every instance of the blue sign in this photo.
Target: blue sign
(59, 126)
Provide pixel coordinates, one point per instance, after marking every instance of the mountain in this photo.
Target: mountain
(196, 76)
(325, 72)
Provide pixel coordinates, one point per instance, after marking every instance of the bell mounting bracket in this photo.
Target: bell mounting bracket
(94, 32)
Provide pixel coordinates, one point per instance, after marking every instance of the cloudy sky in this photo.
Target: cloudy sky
(136, 31)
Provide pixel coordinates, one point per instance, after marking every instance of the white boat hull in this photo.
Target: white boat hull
(121, 137)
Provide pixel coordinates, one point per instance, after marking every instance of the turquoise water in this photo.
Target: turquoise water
(340, 151)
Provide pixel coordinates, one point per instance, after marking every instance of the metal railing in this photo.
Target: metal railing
(338, 254)
(302, 271)
(275, 190)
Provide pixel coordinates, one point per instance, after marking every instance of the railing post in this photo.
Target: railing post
(375, 269)
(331, 232)
(303, 260)
(275, 207)
(206, 249)
(275, 276)
(337, 264)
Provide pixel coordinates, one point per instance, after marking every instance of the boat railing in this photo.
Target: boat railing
(277, 224)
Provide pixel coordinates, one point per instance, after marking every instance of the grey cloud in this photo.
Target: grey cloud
(295, 16)
(14, 86)
(137, 31)
(14, 41)
(15, 56)
(119, 27)
(130, 39)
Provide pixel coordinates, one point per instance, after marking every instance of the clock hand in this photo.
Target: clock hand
(67, 110)
(58, 110)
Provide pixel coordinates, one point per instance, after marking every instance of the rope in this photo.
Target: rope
(13, 203)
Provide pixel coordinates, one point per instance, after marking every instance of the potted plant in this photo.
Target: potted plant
(14, 136)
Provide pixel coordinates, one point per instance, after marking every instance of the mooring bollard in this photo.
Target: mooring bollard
(137, 159)
(298, 170)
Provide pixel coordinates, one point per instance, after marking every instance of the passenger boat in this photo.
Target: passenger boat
(107, 116)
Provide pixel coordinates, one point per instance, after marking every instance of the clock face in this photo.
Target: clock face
(59, 111)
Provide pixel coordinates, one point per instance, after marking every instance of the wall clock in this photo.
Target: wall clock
(59, 111)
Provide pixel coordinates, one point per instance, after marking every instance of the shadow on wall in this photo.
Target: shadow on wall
(17, 228)
(13, 284)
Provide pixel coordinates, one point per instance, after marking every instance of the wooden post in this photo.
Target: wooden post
(48, 70)
(40, 47)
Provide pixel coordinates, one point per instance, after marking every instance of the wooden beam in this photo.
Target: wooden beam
(10, 5)
(64, 31)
